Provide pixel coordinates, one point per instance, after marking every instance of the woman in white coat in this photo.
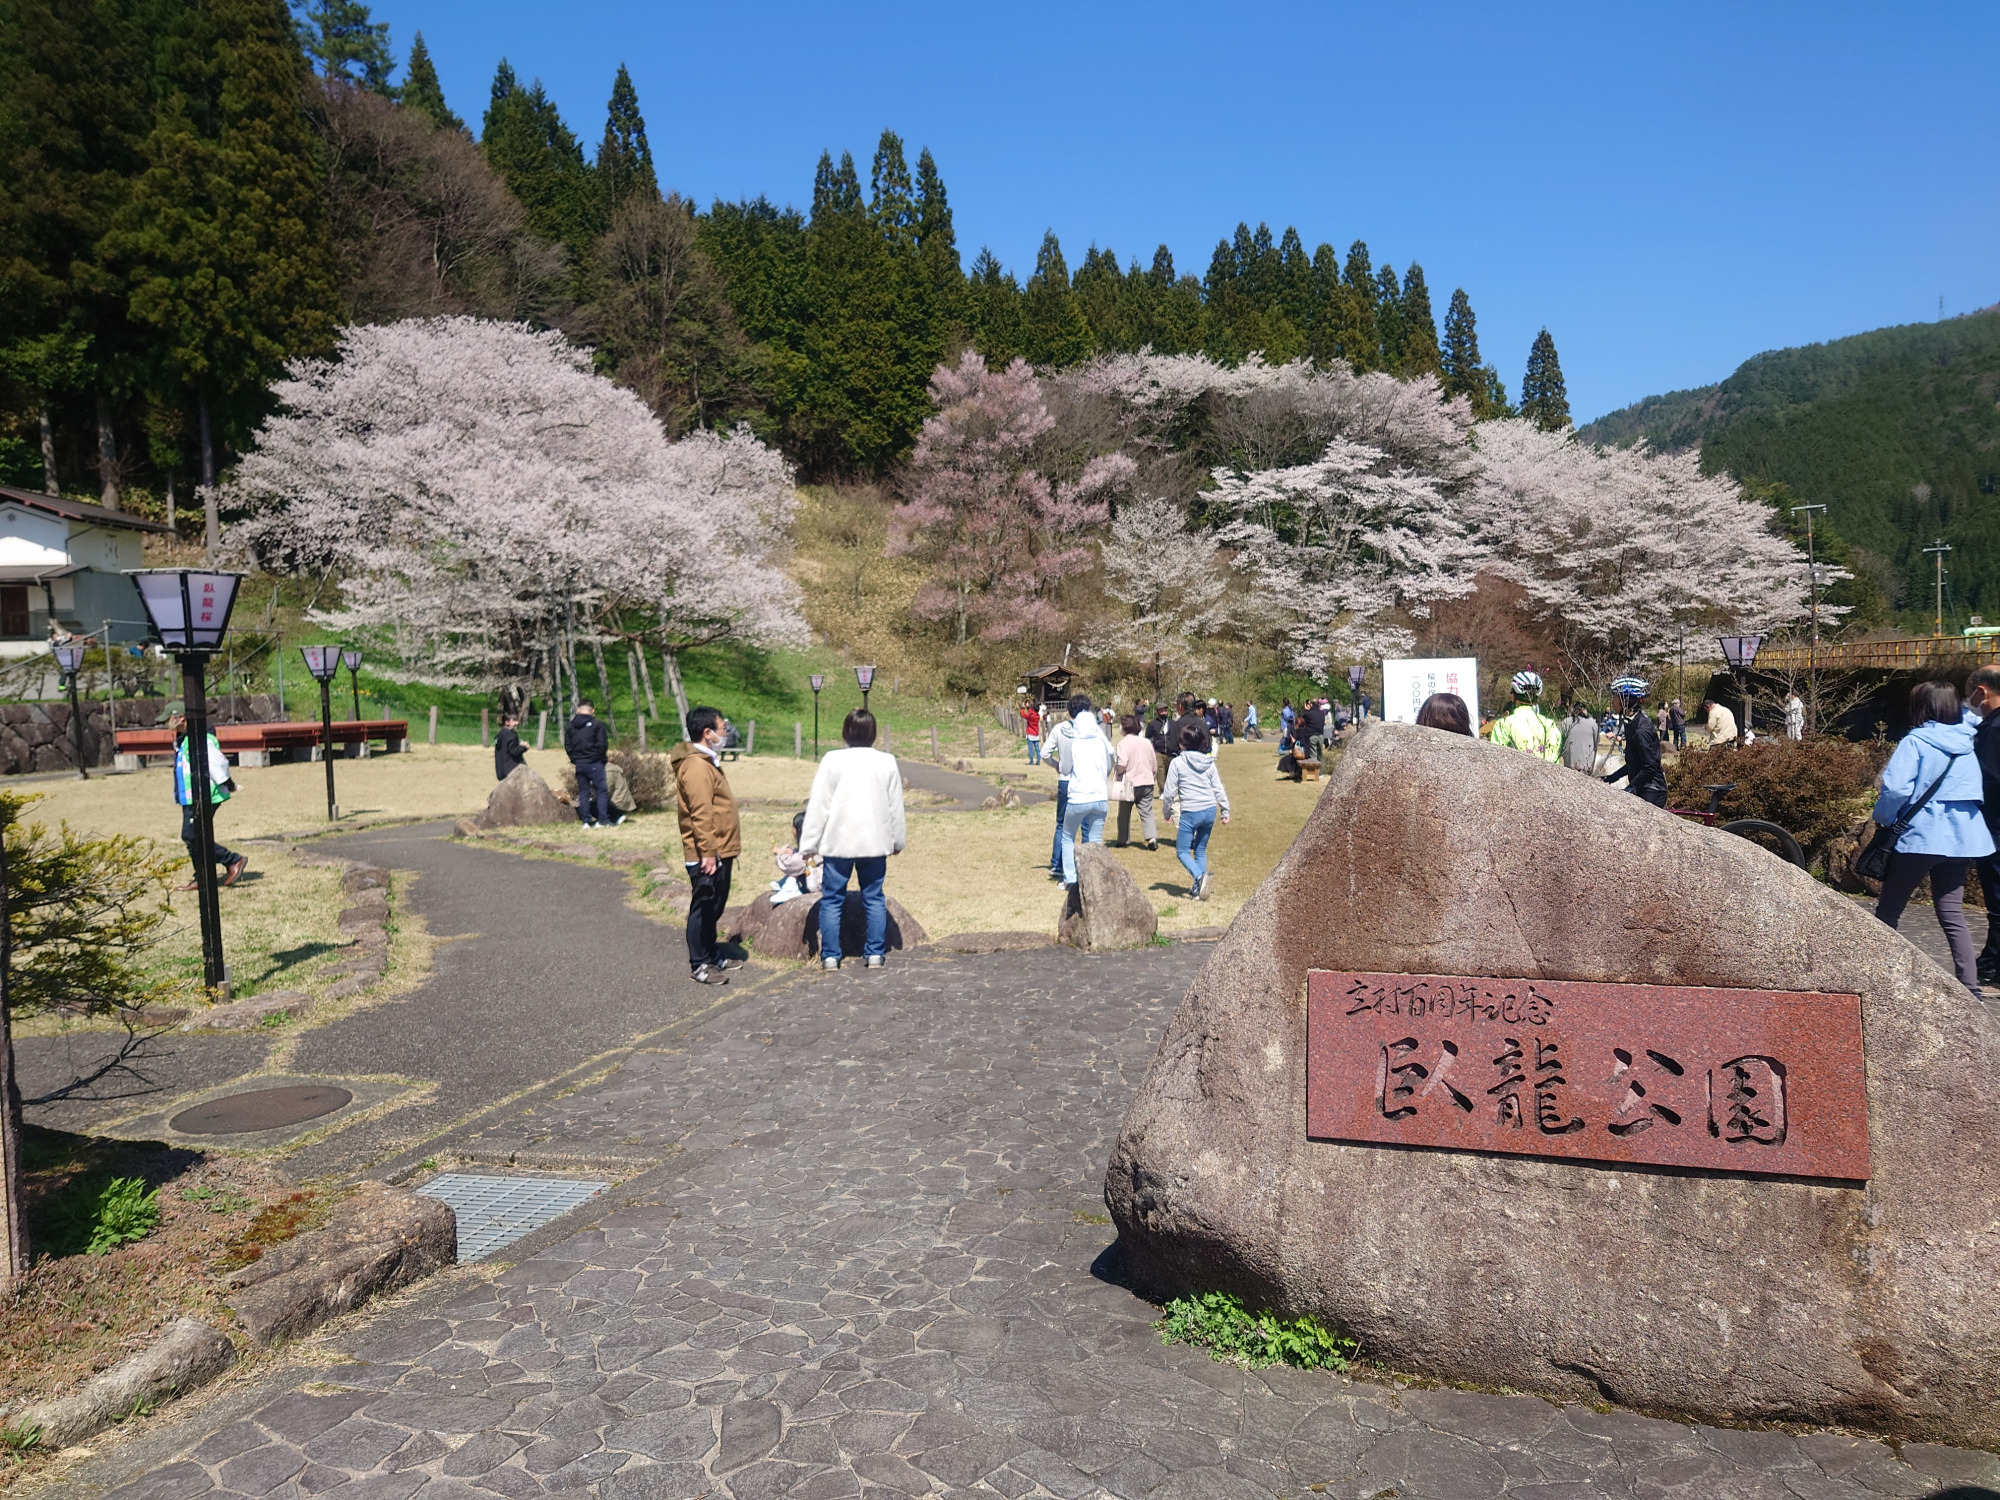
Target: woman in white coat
(854, 822)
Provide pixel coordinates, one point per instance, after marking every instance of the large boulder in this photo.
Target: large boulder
(1105, 910)
(524, 800)
(1676, 1289)
(791, 929)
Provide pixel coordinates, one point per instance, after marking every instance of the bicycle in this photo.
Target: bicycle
(1767, 836)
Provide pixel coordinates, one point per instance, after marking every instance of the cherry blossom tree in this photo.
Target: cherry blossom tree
(1171, 580)
(486, 499)
(995, 532)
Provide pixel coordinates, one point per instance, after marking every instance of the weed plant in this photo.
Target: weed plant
(1232, 1334)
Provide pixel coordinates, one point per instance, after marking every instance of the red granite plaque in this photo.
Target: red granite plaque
(1762, 1081)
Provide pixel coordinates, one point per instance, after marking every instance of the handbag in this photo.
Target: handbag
(1873, 862)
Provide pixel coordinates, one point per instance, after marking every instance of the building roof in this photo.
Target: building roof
(31, 573)
(78, 510)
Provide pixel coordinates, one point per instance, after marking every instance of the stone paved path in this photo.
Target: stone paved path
(873, 1264)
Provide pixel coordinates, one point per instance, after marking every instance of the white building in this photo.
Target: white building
(65, 560)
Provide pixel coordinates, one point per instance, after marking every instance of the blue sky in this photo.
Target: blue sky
(1669, 189)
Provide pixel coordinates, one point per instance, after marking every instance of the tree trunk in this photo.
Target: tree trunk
(603, 683)
(670, 658)
(49, 485)
(14, 1229)
(173, 510)
(107, 456)
(632, 672)
(646, 676)
(211, 512)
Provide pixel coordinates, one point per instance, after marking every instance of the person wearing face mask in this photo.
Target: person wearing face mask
(711, 838)
(1982, 698)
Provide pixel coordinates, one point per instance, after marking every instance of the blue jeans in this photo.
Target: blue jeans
(1082, 822)
(1191, 843)
(593, 793)
(871, 868)
(1056, 844)
(1034, 750)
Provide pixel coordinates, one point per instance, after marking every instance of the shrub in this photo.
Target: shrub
(1814, 788)
(651, 776)
(1221, 1324)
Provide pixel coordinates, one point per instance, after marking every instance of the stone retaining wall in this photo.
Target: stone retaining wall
(36, 736)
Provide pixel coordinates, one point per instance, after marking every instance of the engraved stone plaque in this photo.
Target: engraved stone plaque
(1757, 1081)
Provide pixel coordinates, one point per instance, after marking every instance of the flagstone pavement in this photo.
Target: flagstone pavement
(873, 1262)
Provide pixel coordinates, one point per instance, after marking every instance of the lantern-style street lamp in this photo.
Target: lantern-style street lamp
(864, 678)
(1740, 651)
(818, 681)
(1355, 675)
(324, 663)
(69, 661)
(189, 612)
(351, 659)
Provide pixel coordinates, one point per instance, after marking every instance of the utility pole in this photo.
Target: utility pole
(1812, 646)
(1938, 550)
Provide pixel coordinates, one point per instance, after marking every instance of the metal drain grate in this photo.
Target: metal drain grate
(493, 1212)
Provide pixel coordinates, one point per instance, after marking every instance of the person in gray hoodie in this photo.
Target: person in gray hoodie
(1195, 799)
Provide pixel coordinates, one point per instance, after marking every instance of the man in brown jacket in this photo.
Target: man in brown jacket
(711, 838)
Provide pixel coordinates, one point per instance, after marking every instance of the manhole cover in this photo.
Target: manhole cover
(261, 1109)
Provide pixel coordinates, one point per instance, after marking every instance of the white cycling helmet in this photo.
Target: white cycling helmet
(1527, 684)
(1634, 688)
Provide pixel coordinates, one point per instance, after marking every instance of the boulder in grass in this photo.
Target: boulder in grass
(1724, 1294)
(1105, 910)
(791, 929)
(524, 800)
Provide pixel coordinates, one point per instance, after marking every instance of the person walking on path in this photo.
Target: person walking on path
(1159, 732)
(1721, 724)
(711, 839)
(1286, 716)
(1525, 727)
(1982, 697)
(1195, 798)
(1935, 780)
(1191, 716)
(1677, 724)
(1137, 769)
(1086, 763)
(1058, 740)
(1642, 772)
(588, 747)
(1795, 717)
(1031, 730)
(1225, 718)
(508, 751)
(221, 787)
(1579, 742)
(854, 822)
(1251, 729)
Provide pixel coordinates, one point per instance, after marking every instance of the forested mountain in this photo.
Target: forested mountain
(179, 218)
(1896, 431)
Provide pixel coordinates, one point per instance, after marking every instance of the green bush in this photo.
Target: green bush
(1814, 789)
(97, 1217)
(1221, 1324)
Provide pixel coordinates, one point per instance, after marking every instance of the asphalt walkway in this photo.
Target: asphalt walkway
(874, 1263)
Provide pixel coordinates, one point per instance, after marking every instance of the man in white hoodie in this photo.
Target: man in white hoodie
(854, 822)
(1086, 764)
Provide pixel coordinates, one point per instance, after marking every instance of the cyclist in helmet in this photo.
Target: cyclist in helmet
(1641, 771)
(1525, 726)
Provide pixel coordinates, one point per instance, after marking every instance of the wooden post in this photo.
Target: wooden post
(434, 724)
(750, 740)
(934, 750)
(798, 739)
(642, 733)
(982, 742)
(541, 729)
(483, 728)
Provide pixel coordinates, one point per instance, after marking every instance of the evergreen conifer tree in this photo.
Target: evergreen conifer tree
(1389, 318)
(624, 159)
(343, 42)
(1420, 335)
(1359, 339)
(1224, 312)
(1099, 288)
(223, 242)
(1323, 325)
(891, 198)
(937, 249)
(1544, 398)
(526, 142)
(994, 310)
(1052, 325)
(1295, 298)
(1464, 371)
(421, 90)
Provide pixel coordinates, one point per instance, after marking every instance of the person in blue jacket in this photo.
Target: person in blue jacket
(1949, 831)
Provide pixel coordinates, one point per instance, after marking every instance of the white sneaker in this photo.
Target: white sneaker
(876, 961)
(829, 963)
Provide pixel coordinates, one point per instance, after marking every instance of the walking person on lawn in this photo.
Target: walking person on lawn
(1195, 798)
(1057, 740)
(711, 839)
(588, 747)
(221, 787)
(1086, 763)
(854, 822)
(1138, 769)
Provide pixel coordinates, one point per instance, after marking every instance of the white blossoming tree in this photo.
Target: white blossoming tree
(1171, 581)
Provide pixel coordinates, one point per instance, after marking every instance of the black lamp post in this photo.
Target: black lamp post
(818, 682)
(1354, 679)
(189, 612)
(1740, 651)
(324, 663)
(351, 659)
(69, 660)
(864, 677)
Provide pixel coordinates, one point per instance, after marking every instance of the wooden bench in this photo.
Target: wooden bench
(266, 744)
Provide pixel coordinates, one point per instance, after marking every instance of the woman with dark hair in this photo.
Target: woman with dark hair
(1933, 779)
(1195, 799)
(1446, 711)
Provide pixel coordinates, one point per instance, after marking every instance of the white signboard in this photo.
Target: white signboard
(1405, 685)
